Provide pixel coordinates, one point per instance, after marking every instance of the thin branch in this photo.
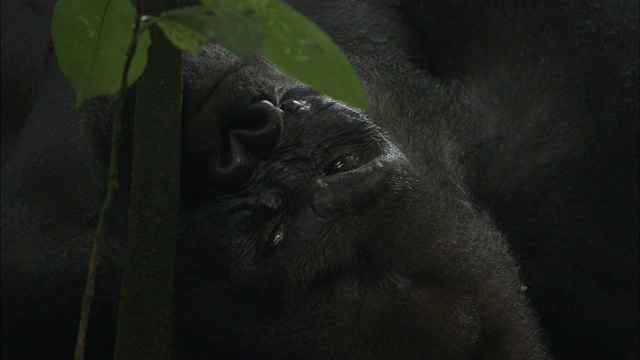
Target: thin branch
(112, 187)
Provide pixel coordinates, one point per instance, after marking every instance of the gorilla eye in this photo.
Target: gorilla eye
(344, 162)
(275, 240)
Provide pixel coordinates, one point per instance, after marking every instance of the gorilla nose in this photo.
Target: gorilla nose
(229, 124)
(243, 143)
(229, 148)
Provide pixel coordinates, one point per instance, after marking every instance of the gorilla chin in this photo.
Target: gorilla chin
(352, 255)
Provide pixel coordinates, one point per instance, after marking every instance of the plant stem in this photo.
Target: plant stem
(112, 187)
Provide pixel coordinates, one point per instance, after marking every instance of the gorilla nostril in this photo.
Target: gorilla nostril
(243, 142)
(292, 106)
(232, 169)
(260, 128)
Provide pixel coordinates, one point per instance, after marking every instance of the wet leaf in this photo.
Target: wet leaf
(291, 41)
(191, 26)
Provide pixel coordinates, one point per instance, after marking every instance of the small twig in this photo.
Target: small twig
(112, 187)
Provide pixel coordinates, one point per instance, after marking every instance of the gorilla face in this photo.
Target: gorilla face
(303, 187)
(260, 169)
(313, 237)
(312, 204)
(298, 194)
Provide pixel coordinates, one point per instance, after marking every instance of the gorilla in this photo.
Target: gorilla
(487, 209)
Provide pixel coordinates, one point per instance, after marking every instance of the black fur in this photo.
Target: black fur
(495, 216)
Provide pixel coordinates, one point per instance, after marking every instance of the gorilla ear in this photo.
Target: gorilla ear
(243, 142)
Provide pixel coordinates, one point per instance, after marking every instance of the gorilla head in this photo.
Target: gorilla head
(307, 234)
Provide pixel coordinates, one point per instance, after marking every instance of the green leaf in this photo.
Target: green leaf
(181, 36)
(188, 27)
(91, 39)
(294, 44)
